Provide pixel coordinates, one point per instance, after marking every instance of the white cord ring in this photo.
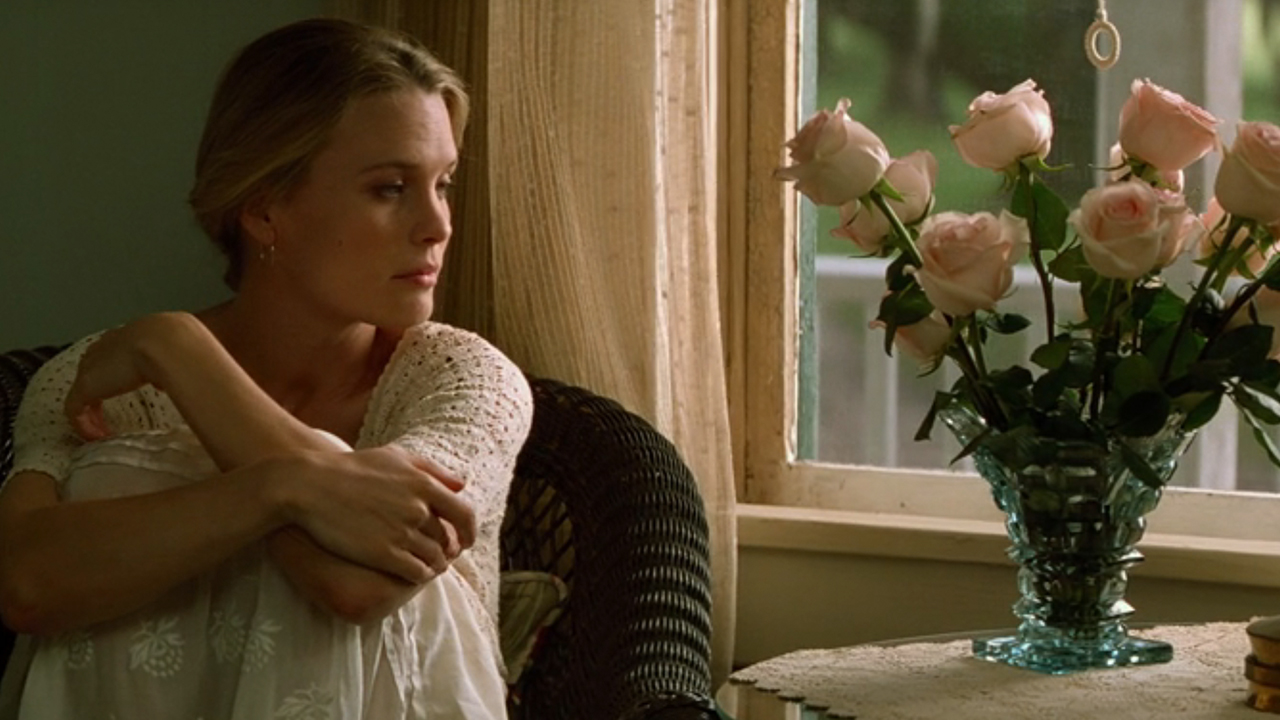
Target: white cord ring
(1101, 27)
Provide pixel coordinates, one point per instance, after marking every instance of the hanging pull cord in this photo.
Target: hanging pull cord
(1100, 27)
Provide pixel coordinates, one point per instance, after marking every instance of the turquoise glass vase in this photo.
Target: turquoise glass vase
(1074, 521)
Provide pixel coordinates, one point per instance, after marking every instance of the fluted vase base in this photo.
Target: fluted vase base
(1061, 657)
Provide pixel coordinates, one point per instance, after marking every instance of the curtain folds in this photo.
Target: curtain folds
(585, 230)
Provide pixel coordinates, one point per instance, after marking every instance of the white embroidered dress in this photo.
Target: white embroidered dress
(239, 643)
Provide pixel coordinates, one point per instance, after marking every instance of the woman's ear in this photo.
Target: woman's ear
(257, 226)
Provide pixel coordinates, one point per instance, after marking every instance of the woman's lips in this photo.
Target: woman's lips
(423, 278)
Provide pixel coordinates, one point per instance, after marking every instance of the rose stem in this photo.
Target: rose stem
(899, 229)
(1196, 297)
(1046, 281)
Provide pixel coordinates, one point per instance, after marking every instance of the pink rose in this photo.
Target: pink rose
(923, 341)
(969, 259)
(836, 160)
(1159, 127)
(913, 177)
(1248, 183)
(1120, 229)
(1214, 222)
(1266, 305)
(1002, 129)
(1120, 171)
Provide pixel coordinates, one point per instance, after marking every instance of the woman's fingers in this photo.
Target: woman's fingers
(444, 501)
(87, 420)
(457, 512)
(409, 567)
(428, 550)
(449, 478)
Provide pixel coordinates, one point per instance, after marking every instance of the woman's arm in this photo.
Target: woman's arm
(67, 565)
(355, 593)
(70, 565)
(237, 422)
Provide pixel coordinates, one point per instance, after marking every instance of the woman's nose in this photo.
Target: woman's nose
(435, 225)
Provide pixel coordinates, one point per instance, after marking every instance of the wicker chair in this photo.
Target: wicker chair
(604, 502)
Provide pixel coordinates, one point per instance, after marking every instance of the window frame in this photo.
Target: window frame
(1229, 537)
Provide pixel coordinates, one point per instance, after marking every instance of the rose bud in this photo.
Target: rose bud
(1002, 129)
(1164, 130)
(835, 159)
(1248, 183)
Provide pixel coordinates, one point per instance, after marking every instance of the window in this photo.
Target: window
(911, 79)
(826, 420)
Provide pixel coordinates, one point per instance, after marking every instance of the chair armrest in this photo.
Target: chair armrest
(16, 369)
(636, 630)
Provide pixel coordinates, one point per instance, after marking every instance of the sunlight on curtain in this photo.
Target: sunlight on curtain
(585, 235)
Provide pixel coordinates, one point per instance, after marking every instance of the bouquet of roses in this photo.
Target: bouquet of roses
(1138, 355)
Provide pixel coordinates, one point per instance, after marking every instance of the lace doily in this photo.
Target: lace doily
(931, 680)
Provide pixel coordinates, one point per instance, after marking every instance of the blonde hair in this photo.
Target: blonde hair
(279, 99)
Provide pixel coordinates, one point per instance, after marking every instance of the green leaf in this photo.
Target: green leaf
(1262, 437)
(1143, 414)
(1244, 347)
(1159, 305)
(1052, 356)
(1188, 350)
(1265, 407)
(1140, 468)
(1050, 228)
(886, 188)
(1202, 412)
(1023, 203)
(895, 276)
(940, 400)
(1071, 266)
(972, 445)
(1263, 375)
(898, 309)
(1011, 384)
(1046, 390)
(1006, 323)
(1134, 374)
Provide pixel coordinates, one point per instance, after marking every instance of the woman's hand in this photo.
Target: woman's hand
(116, 363)
(384, 508)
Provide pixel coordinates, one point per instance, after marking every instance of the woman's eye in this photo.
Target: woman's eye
(445, 187)
(390, 190)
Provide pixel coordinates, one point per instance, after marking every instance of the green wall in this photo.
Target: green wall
(101, 106)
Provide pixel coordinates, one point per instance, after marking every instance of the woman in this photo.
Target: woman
(187, 532)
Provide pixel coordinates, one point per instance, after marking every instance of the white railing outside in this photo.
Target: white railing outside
(869, 405)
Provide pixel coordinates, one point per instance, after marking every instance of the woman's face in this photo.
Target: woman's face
(362, 238)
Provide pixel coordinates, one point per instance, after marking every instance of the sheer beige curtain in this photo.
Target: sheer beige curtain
(586, 230)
